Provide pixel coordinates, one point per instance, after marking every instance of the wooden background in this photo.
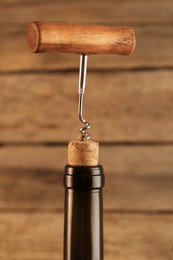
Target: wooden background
(129, 102)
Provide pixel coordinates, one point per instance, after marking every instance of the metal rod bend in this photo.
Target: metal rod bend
(81, 91)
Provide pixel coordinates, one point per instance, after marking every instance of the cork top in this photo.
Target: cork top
(83, 153)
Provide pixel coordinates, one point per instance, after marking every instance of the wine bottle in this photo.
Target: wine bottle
(83, 223)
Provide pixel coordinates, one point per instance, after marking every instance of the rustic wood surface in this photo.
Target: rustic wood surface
(43, 107)
(99, 11)
(129, 104)
(137, 178)
(153, 50)
(39, 236)
(28, 190)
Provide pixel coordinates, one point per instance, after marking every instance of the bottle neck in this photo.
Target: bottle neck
(83, 226)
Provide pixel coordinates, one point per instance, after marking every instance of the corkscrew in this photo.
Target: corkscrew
(84, 40)
(84, 135)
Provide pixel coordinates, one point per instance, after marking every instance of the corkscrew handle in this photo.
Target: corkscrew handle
(80, 39)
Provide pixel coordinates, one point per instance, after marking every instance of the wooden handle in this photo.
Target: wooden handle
(80, 39)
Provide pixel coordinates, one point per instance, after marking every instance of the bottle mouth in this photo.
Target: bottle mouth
(84, 177)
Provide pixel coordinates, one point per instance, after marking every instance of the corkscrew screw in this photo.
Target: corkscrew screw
(84, 135)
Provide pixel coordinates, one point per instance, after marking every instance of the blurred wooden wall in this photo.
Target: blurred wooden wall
(129, 103)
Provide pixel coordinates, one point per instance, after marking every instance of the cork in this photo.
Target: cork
(83, 153)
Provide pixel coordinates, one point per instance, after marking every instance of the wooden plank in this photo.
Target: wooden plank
(137, 178)
(17, 56)
(31, 236)
(91, 11)
(121, 106)
(40, 236)
(138, 237)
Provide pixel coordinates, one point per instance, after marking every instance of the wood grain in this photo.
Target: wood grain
(137, 178)
(39, 236)
(91, 12)
(121, 106)
(145, 56)
(31, 236)
(80, 39)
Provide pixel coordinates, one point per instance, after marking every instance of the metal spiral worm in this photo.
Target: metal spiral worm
(84, 135)
(83, 130)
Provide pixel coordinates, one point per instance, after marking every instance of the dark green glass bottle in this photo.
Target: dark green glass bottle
(83, 224)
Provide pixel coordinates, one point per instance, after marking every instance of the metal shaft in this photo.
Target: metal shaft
(82, 84)
(81, 91)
